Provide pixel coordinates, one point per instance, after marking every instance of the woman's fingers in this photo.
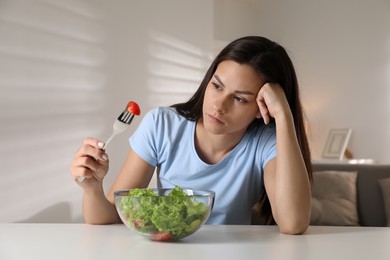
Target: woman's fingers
(264, 112)
(271, 101)
(90, 161)
(93, 148)
(262, 103)
(93, 142)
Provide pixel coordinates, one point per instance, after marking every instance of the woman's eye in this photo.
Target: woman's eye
(216, 86)
(241, 100)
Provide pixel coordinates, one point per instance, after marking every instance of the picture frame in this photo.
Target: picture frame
(336, 143)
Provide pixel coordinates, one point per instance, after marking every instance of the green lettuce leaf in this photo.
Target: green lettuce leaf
(176, 214)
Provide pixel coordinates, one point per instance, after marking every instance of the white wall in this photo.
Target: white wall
(342, 53)
(67, 68)
(52, 87)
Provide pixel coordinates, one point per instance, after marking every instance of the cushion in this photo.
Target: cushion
(385, 187)
(334, 198)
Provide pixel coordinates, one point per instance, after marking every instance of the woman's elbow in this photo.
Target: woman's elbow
(294, 227)
(296, 230)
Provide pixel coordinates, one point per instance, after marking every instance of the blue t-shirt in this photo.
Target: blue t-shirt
(166, 139)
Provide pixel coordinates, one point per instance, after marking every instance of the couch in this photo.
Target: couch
(351, 194)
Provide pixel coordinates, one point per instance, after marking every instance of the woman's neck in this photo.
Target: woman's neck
(212, 148)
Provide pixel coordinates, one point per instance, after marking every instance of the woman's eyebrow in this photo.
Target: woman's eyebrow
(243, 92)
(219, 80)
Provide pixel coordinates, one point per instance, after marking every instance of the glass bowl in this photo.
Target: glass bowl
(164, 214)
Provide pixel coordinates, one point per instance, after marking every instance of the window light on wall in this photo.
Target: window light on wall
(50, 73)
(176, 69)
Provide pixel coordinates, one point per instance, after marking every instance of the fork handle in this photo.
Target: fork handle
(108, 141)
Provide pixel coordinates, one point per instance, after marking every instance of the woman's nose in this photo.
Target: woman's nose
(220, 105)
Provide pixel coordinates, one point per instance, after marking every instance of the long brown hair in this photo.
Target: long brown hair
(270, 60)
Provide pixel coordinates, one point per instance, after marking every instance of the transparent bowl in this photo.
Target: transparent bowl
(162, 217)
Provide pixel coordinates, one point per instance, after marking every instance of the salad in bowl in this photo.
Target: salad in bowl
(164, 214)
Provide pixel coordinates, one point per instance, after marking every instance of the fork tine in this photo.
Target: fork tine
(128, 121)
(122, 116)
(126, 117)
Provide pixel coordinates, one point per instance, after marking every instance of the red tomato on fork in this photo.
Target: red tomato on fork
(133, 108)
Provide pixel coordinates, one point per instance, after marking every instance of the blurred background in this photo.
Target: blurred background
(68, 68)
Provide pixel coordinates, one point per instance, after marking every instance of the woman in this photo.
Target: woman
(240, 135)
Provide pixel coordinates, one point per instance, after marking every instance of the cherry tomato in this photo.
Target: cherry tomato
(137, 223)
(161, 236)
(133, 108)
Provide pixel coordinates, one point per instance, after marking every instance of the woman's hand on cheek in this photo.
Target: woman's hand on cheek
(271, 101)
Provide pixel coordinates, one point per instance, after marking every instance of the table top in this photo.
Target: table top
(82, 241)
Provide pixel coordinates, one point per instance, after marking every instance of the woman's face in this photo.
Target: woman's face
(230, 99)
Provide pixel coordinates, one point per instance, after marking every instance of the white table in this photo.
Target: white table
(81, 241)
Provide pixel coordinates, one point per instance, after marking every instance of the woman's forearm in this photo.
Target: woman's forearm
(292, 185)
(97, 209)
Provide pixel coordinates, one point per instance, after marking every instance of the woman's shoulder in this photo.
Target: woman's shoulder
(264, 129)
(166, 115)
(165, 112)
(262, 134)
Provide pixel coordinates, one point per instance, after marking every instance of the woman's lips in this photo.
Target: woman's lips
(215, 119)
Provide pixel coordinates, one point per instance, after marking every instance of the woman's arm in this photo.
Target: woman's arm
(285, 177)
(91, 162)
(135, 173)
(100, 209)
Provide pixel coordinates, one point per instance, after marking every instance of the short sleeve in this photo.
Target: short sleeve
(143, 141)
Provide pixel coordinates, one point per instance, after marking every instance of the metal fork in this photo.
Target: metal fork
(121, 124)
